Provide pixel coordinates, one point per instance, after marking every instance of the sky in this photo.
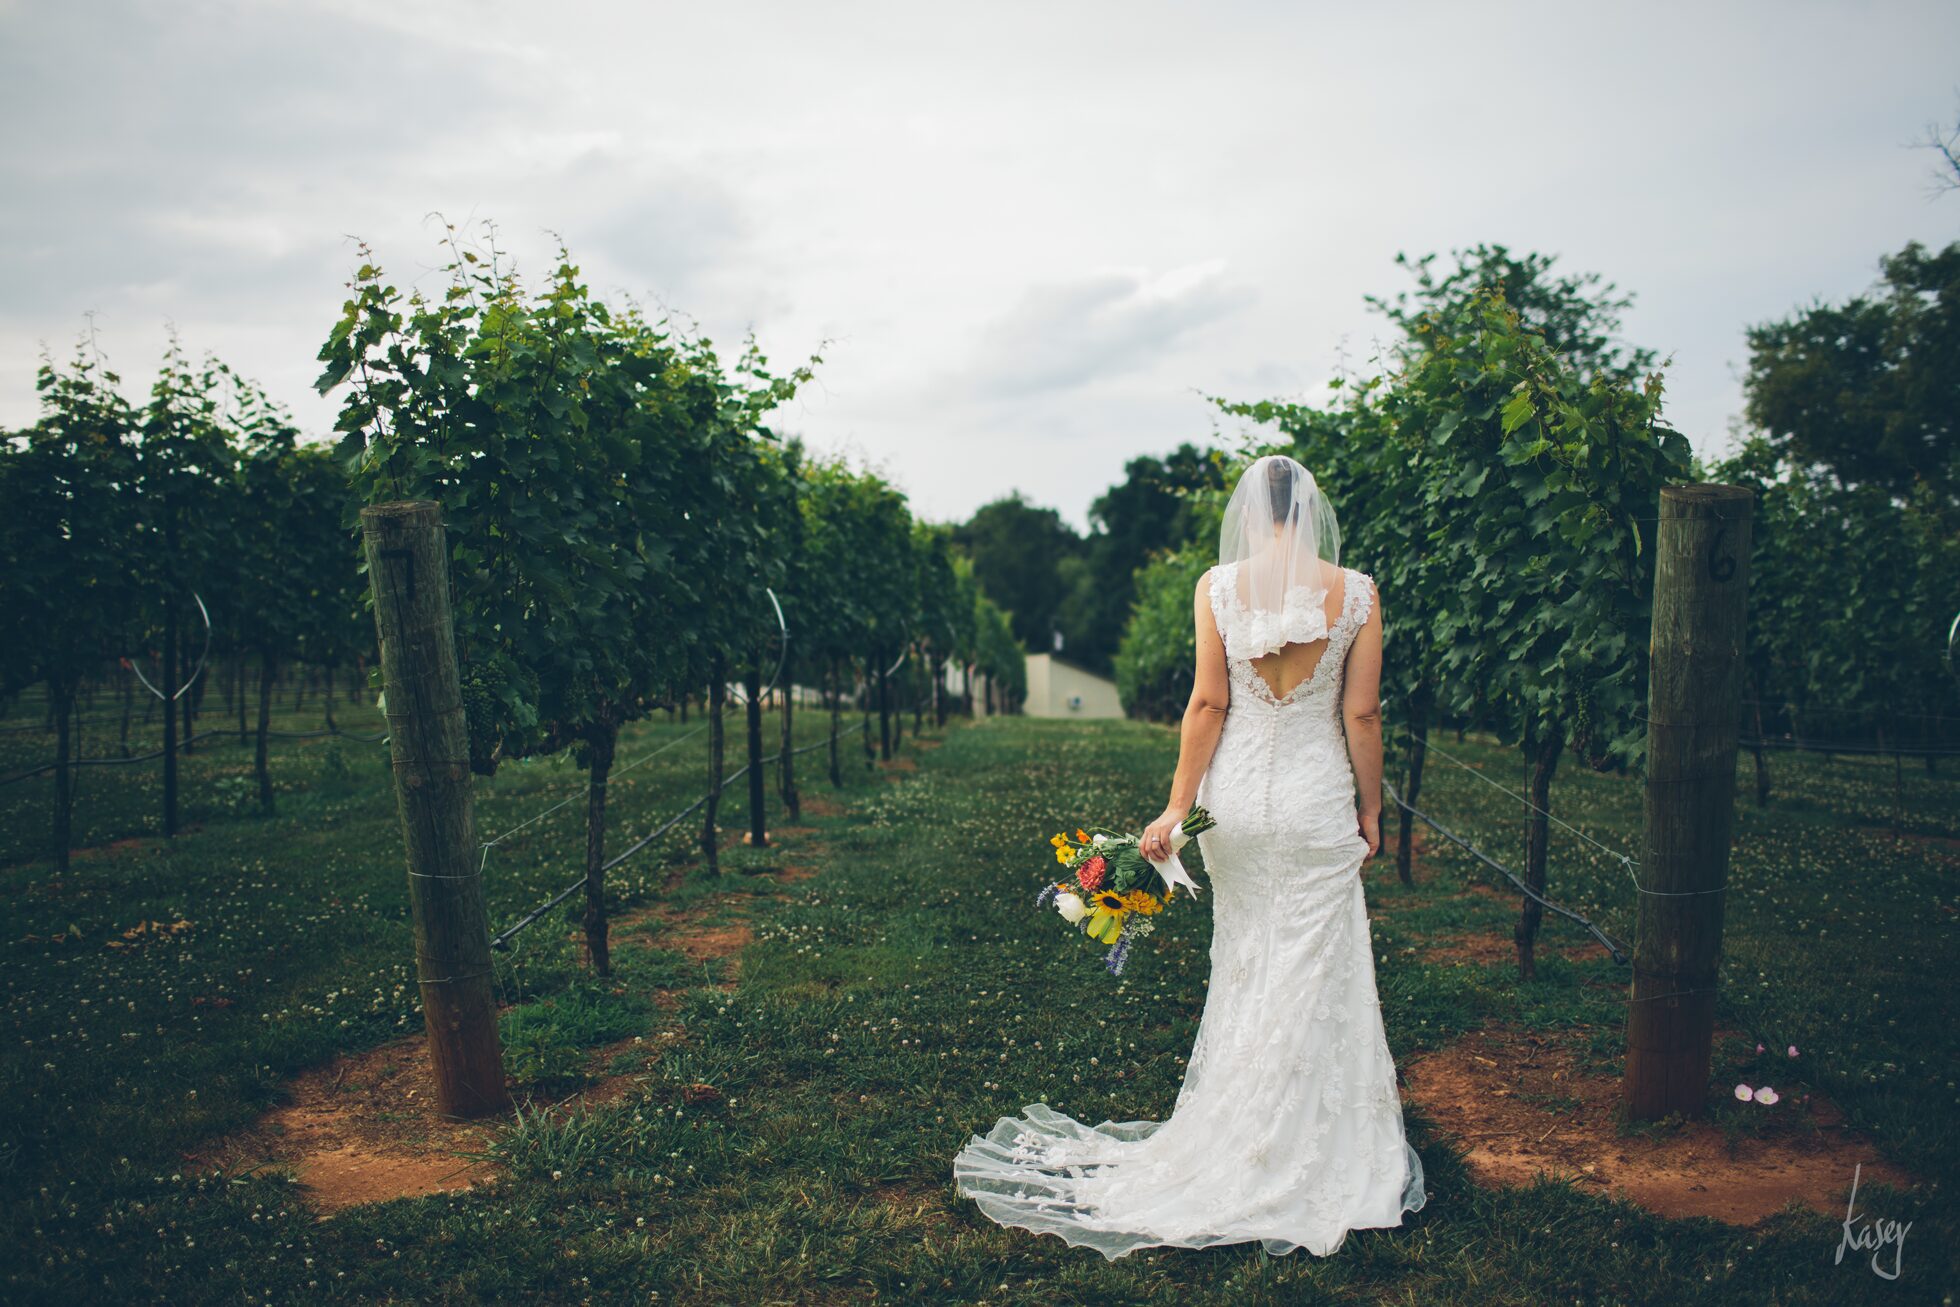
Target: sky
(1028, 240)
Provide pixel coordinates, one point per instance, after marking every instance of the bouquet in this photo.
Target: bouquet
(1111, 894)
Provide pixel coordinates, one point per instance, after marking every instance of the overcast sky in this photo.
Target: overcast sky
(1034, 235)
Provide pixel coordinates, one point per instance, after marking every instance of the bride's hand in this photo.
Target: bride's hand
(1371, 830)
(1156, 839)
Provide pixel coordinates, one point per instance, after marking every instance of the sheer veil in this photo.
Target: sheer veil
(1278, 546)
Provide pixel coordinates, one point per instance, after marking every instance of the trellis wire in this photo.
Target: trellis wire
(782, 653)
(502, 940)
(1612, 946)
(196, 672)
(222, 736)
(487, 845)
(1626, 860)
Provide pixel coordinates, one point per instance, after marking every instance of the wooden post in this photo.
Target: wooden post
(786, 771)
(428, 742)
(1418, 724)
(169, 717)
(1694, 710)
(836, 727)
(63, 699)
(602, 743)
(268, 673)
(758, 770)
(884, 705)
(710, 842)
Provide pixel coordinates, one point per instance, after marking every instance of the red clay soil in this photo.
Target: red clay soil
(361, 1129)
(1518, 1106)
(365, 1128)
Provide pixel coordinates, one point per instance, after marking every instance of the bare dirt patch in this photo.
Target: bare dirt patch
(685, 932)
(821, 805)
(364, 1128)
(109, 850)
(1485, 949)
(1519, 1105)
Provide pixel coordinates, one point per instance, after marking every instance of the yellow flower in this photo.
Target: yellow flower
(1065, 856)
(1138, 900)
(1111, 900)
(1059, 841)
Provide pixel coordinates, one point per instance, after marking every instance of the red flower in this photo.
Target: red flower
(1090, 874)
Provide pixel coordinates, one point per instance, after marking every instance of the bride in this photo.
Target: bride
(1288, 1126)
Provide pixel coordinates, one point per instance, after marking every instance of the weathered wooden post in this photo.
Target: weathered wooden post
(786, 771)
(758, 833)
(1694, 713)
(428, 740)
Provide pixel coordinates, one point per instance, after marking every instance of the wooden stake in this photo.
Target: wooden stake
(428, 741)
(1694, 710)
(758, 770)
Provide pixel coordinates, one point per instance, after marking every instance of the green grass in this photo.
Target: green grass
(888, 1008)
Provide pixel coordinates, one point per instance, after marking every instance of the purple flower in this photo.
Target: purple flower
(1048, 892)
(1793, 1050)
(1118, 955)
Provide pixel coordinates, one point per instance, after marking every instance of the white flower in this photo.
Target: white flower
(1099, 839)
(1071, 906)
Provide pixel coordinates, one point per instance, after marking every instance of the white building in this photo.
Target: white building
(1059, 689)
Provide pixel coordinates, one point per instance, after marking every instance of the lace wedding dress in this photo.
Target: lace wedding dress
(1288, 1126)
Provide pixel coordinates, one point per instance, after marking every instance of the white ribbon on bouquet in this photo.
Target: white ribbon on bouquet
(1170, 867)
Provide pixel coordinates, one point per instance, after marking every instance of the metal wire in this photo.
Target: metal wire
(502, 940)
(195, 672)
(1612, 946)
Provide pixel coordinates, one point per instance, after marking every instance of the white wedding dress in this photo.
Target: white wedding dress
(1288, 1126)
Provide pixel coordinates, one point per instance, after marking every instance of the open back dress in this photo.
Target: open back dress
(1288, 1126)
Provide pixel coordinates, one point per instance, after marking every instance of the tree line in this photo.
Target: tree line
(140, 538)
(624, 527)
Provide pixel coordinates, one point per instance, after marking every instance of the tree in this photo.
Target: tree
(1146, 512)
(70, 593)
(1870, 389)
(295, 571)
(1017, 552)
(598, 485)
(186, 467)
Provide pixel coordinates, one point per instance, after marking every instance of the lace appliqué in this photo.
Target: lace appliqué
(1249, 633)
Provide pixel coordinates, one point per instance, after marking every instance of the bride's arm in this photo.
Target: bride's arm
(1361, 710)
(1204, 718)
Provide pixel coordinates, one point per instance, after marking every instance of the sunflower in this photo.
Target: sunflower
(1110, 899)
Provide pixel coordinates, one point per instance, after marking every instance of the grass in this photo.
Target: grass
(888, 1007)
